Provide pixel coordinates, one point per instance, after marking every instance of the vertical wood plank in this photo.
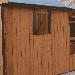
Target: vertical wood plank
(8, 40)
(1, 58)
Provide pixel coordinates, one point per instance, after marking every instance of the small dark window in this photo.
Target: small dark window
(72, 24)
(41, 21)
(72, 33)
(72, 29)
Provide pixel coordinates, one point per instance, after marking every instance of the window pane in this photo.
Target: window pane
(41, 20)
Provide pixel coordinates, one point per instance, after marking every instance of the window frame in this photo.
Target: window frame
(49, 21)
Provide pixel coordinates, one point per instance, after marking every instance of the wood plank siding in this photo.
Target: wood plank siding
(28, 54)
(60, 42)
(1, 58)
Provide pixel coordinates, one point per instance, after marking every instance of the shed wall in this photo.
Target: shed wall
(28, 54)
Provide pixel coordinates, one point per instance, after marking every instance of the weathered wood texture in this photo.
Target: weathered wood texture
(29, 54)
(60, 42)
(1, 60)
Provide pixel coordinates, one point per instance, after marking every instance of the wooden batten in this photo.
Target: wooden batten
(1, 58)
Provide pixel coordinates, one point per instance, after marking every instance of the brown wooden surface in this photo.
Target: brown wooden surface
(40, 18)
(1, 60)
(29, 54)
(60, 42)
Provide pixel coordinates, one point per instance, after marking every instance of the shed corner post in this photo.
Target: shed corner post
(3, 40)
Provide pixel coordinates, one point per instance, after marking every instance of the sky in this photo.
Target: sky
(41, 2)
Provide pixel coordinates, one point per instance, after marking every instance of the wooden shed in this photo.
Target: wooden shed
(37, 38)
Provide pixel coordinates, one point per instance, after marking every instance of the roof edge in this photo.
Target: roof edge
(34, 5)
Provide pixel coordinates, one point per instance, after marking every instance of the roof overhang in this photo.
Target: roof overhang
(8, 3)
(34, 6)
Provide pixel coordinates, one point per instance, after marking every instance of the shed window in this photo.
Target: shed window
(72, 33)
(41, 20)
(72, 30)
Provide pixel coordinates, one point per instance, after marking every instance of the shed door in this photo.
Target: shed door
(60, 42)
(72, 32)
